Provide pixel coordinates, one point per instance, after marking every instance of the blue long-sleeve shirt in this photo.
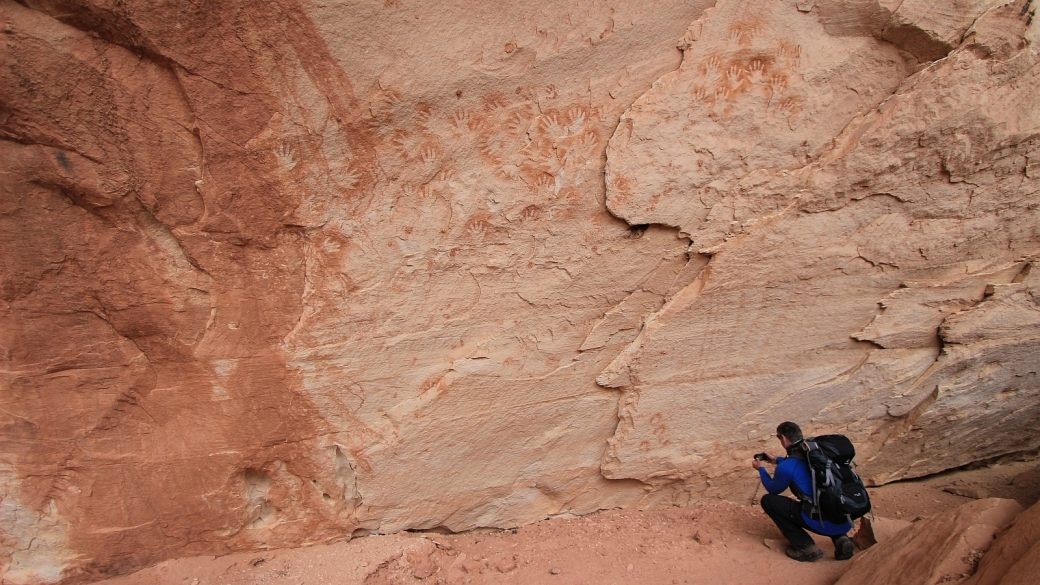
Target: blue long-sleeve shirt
(794, 473)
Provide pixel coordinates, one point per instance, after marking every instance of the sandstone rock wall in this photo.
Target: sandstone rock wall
(277, 272)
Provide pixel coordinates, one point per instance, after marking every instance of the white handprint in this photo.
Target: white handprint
(286, 156)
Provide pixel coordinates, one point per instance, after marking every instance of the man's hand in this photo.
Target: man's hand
(756, 464)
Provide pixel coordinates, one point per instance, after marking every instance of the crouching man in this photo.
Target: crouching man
(793, 472)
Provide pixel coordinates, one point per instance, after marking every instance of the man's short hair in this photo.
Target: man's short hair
(790, 430)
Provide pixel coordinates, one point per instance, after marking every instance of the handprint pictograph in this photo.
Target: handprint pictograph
(286, 156)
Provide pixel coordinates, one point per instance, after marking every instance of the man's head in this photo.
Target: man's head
(788, 433)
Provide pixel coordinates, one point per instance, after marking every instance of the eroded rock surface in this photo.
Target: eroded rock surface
(276, 272)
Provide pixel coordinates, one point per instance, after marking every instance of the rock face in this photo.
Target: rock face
(942, 549)
(276, 272)
(870, 233)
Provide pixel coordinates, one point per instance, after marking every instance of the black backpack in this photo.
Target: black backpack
(838, 495)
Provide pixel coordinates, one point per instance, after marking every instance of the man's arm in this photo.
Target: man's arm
(780, 480)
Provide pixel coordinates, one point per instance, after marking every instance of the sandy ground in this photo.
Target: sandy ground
(707, 542)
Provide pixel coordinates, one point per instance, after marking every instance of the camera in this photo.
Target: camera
(761, 456)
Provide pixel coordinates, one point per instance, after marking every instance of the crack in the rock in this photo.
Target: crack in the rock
(617, 374)
(1023, 273)
(879, 438)
(308, 291)
(7, 135)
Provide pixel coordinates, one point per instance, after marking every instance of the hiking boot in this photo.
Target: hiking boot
(843, 548)
(805, 555)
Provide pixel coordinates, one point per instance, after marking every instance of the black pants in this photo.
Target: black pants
(786, 513)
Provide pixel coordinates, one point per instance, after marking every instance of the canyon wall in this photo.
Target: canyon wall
(277, 273)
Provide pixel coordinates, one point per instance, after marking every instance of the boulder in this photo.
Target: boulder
(1014, 558)
(973, 492)
(875, 529)
(940, 549)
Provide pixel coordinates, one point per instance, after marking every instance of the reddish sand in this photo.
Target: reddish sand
(707, 542)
